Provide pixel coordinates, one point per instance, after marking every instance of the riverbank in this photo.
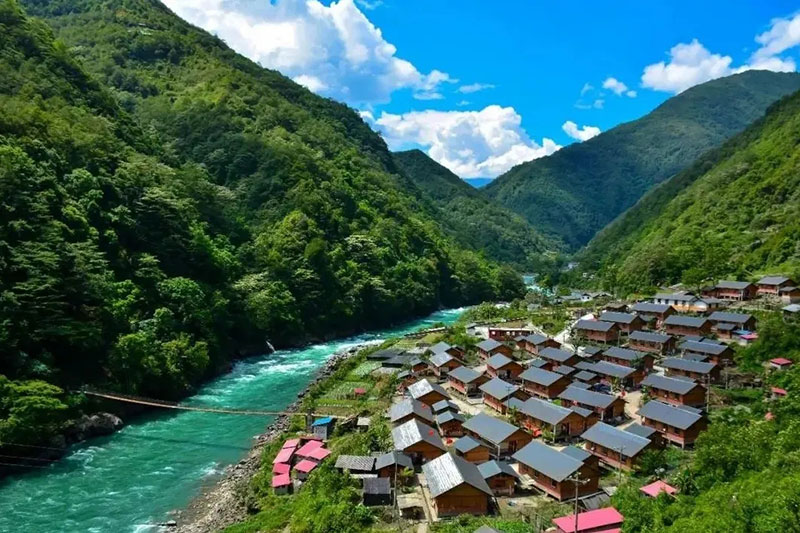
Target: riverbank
(223, 504)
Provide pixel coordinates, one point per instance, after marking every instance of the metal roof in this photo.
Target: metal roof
(577, 453)
(792, 308)
(386, 353)
(773, 280)
(555, 354)
(447, 472)
(687, 321)
(585, 365)
(613, 316)
(625, 354)
(537, 363)
(580, 385)
(441, 359)
(489, 428)
(733, 318)
(442, 405)
(549, 461)
(377, 485)
(678, 386)
(612, 369)
(545, 411)
(413, 432)
(676, 296)
(492, 468)
(497, 388)
(668, 414)
(587, 397)
(649, 307)
(535, 338)
(393, 458)
(422, 387)
(409, 406)
(440, 347)
(362, 463)
(449, 416)
(591, 350)
(488, 345)
(564, 370)
(615, 439)
(540, 376)
(738, 285)
(688, 365)
(710, 348)
(466, 444)
(465, 374)
(594, 325)
(642, 431)
(498, 361)
(648, 336)
(580, 410)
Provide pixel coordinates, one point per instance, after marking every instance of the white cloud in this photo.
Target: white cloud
(475, 87)
(334, 50)
(630, 94)
(581, 134)
(598, 103)
(617, 87)
(783, 35)
(586, 88)
(482, 143)
(462, 103)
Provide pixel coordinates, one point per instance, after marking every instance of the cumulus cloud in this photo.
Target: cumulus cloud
(333, 50)
(692, 63)
(618, 87)
(581, 134)
(482, 143)
(475, 87)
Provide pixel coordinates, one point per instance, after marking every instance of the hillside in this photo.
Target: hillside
(575, 192)
(152, 230)
(734, 213)
(475, 221)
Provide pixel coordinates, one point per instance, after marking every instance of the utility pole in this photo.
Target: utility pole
(619, 470)
(576, 480)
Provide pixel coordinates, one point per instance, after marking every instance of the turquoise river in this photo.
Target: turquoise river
(131, 480)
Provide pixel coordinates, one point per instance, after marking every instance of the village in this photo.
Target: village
(514, 421)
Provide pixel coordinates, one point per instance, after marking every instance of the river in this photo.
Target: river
(130, 481)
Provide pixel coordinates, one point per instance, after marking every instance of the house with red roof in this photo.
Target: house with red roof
(606, 520)
(780, 363)
(281, 483)
(657, 487)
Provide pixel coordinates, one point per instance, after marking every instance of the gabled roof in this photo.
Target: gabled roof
(587, 397)
(564, 370)
(413, 432)
(710, 348)
(488, 345)
(621, 318)
(687, 365)
(447, 472)
(361, 463)
(642, 431)
(492, 468)
(648, 336)
(393, 458)
(535, 338)
(612, 369)
(733, 318)
(648, 307)
(490, 429)
(441, 359)
(626, 354)
(449, 416)
(549, 461)
(676, 385)
(581, 454)
(668, 414)
(422, 387)
(594, 325)
(583, 413)
(686, 321)
(498, 361)
(409, 406)
(657, 487)
(545, 411)
(585, 365)
(591, 350)
(585, 375)
(497, 388)
(537, 363)
(386, 353)
(555, 354)
(615, 439)
(443, 405)
(580, 385)
(466, 444)
(736, 285)
(773, 280)
(591, 521)
(540, 376)
(465, 374)
(440, 347)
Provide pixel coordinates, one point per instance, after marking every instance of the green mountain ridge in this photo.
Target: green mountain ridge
(575, 192)
(474, 220)
(734, 213)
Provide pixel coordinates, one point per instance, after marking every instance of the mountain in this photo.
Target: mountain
(476, 221)
(166, 204)
(575, 192)
(735, 213)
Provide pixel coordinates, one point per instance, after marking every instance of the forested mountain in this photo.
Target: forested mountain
(575, 192)
(179, 203)
(475, 220)
(734, 213)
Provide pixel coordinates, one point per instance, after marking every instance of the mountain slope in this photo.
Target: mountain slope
(734, 213)
(581, 188)
(476, 221)
(152, 230)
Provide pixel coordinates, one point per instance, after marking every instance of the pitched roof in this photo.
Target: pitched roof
(535, 338)
(615, 439)
(585, 365)
(555, 354)
(686, 321)
(489, 428)
(386, 353)
(587, 397)
(448, 471)
(422, 387)
(612, 369)
(613, 316)
(710, 348)
(591, 520)
(413, 432)
(591, 350)
(488, 345)
(392, 458)
(648, 336)
(642, 431)
(594, 325)
(773, 280)
(409, 406)
(492, 468)
(497, 388)
(498, 361)
(363, 463)
(537, 363)
(549, 461)
(676, 296)
(466, 444)
(687, 365)
(449, 416)
(733, 318)
(648, 307)
(443, 405)
(441, 359)
(657, 487)
(668, 414)
(540, 376)
(545, 411)
(440, 347)
(737, 285)
(465, 374)
(676, 385)
(580, 385)
(564, 370)
(581, 454)
(625, 354)
(580, 410)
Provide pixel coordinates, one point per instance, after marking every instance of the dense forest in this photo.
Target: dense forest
(471, 217)
(575, 192)
(734, 213)
(167, 204)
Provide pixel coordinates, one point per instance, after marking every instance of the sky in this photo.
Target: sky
(481, 86)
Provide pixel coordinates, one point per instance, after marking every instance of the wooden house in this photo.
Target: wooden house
(687, 325)
(590, 353)
(557, 356)
(466, 381)
(772, 285)
(410, 409)
(739, 321)
(544, 383)
(613, 373)
(500, 333)
(450, 424)
(443, 363)
(355, 464)
(701, 371)
(585, 376)
(500, 477)
(649, 342)
(652, 312)
(442, 347)
(456, 487)
(627, 322)
(535, 342)
(679, 425)
(646, 432)
(641, 361)
(613, 446)
(554, 472)
(472, 450)
(735, 290)
(596, 331)
(606, 406)
(676, 391)
(491, 347)
(789, 295)
(500, 437)
(497, 392)
(718, 353)
(391, 463)
(427, 392)
(537, 415)
(417, 440)
(500, 366)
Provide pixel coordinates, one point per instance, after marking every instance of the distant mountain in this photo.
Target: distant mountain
(734, 213)
(578, 190)
(476, 221)
(478, 182)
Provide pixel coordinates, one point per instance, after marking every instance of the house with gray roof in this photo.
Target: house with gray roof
(627, 322)
(680, 425)
(503, 367)
(534, 343)
(771, 285)
(386, 463)
(538, 415)
(498, 435)
(597, 331)
(500, 477)
(456, 486)
(718, 353)
(735, 290)
(686, 325)
(444, 405)
(606, 406)
(543, 383)
(675, 390)
(701, 371)
(466, 380)
(427, 392)
(409, 409)
(356, 464)
(613, 446)
(555, 472)
(734, 321)
(496, 392)
(650, 342)
(624, 375)
(490, 347)
(417, 440)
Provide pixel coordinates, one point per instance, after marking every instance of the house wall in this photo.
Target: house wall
(562, 490)
(678, 436)
(451, 429)
(502, 485)
(510, 371)
(604, 337)
(694, 398)
(477, 456)
(494, 403)
(534, 349)
(432, 397)
(422, 452)
(652, 347)
(463, 499)
(701, 378)
(611, 457)
(548, 392)
(503, 349)
(686, 330)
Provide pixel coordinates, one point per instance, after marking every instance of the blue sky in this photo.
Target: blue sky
(482, 86)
